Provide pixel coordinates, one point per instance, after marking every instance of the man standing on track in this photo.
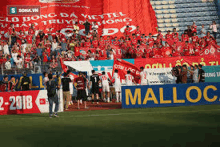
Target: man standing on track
(66, 90)
(79, 84)
(117, 79)
(143, 76)
(105, 86)
(94, 81)
(52, 87)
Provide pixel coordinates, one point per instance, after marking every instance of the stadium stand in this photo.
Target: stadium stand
(46, 49)
(180, 13)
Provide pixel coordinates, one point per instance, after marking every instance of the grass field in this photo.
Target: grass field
(194, 126)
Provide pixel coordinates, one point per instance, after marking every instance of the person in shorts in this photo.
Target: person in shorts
(105, 86)
(94, 82)
(79, 84)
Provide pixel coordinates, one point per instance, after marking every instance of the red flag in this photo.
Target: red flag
(65, 68)
(123, 66)
(211, 50)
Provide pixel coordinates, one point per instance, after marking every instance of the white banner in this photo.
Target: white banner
(160, 76)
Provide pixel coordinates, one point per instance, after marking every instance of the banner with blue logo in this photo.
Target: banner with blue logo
(170, 95)
(212, 73)
(36, 80)
(105, 65)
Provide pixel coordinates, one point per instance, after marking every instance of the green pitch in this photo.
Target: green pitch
(194, 126)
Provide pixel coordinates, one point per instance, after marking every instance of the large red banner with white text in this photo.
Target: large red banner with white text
(24, 102)
(123, 66)
(111, 16)
(176, 61)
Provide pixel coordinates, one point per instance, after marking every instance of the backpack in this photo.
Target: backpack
(51, 88)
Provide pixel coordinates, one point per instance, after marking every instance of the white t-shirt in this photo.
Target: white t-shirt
(104, 79)
(76, 28)
(129, 79)
(117, 79)
(6, 50)
(143, 76)
(214, 28)
(14, 56)
(45, 80)
(71, 84)
(19, 63)
(95, 27)
(54, 45)
(8, 65)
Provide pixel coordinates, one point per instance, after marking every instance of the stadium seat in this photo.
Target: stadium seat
(158, 11)
(165, 7)
(168, 20)
(157, 3)
(166, 16)
(160, 20)
(158, 7)
(172, 6)
(173, 16)
(168, 24)
(161, 25)
(152, 2)
(165, 11)
(171, 2)
(174, 20)
(160, 16)
(175, 24)
(172, 11)
(164, 2)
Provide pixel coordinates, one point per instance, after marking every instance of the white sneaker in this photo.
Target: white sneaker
(108, 100)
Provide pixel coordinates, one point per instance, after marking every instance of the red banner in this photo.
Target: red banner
(176, 61)
(123, 66)
(111, 16)
(20, 102)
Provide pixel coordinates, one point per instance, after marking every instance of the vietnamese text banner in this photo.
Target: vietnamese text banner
(176, 61)
(24, 102)
(111, 16)
(170, 95)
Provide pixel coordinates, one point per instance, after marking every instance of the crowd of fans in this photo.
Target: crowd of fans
(24, 49)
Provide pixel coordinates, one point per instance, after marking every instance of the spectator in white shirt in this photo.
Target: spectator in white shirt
(203, 31)
(19, 62)
(214, 28)
(54, 45)
(8, 64)
(76, 27)
(95, 26)
(6, 49)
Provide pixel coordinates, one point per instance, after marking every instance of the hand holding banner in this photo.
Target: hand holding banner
(123, 66)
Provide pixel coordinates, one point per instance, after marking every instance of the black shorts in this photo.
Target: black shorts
(95, 90)
(81, 94)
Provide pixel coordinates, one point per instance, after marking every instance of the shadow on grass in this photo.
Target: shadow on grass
(193, 130)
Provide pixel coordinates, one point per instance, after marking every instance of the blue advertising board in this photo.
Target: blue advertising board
(170, 95)
(36, 80)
